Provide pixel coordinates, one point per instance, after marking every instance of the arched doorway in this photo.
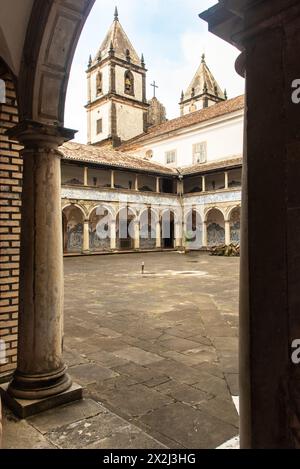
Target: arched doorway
(193, 235)
(168, 229)
(125, 229)
(100, 229)
(148, 221)
(73, 219)
(215, 228)
(235, 225)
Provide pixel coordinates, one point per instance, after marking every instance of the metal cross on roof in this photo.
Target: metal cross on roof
(154, 86)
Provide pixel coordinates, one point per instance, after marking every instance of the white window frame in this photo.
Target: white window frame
(200, 153)
(167, 155)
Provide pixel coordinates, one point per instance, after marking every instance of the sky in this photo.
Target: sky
(172, 38)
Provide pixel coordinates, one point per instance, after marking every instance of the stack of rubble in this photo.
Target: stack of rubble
(233, 250)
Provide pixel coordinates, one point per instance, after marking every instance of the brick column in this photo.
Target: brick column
(10, 217)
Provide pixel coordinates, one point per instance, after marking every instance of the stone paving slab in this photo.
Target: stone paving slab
(137, 355)
(158, 352)
(190, 427)
(90, 373)
(56, 418)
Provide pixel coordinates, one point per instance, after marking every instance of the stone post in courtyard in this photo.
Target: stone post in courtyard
(86, 236)
(41, 373)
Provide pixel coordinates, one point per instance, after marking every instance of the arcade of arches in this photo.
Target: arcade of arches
(268, 35)
(84, 231)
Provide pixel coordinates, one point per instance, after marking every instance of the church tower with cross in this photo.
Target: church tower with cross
(157, 111)
(117, 108)
(204, 91)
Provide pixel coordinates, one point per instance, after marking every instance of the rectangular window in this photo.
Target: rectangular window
(200, 153)
(99, 126)
(171, 157)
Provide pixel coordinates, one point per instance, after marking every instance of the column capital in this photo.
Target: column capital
(38, 135)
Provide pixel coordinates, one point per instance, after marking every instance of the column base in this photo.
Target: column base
(25, 408)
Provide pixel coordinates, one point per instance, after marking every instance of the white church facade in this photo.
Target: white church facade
(143, 182)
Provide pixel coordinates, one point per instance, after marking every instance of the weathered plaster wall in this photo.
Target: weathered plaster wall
(129, 121)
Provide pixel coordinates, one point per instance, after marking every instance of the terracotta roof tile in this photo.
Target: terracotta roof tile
(106, 156)
(217, 110)
(234, 161)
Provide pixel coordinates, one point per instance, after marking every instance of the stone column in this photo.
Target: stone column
(85, 177)
(203, 184)
(136, 183)
(112, 179)
(158, 185)
(86, 236)
(227, 233)
(158, 235)
(178, 235)
(113, 235)
(204, 235)
(137, 235)
(270, 233)
(41, 372)
(226, 179)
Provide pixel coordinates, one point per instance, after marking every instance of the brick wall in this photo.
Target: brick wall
(10, 202)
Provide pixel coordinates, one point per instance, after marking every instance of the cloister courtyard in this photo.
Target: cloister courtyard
(156, 354)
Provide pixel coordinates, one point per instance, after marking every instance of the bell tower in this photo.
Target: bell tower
(204, 91)
(117, 105)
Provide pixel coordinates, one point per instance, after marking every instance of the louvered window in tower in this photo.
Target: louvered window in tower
(99, 89)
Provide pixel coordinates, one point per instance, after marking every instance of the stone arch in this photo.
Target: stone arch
(193, 229)
(215, 225)
(148, 220)
(105, 206)
(169, 219)
(53, 32)
(234, 217)
(73, 221)
(100, 225)
(125, 219)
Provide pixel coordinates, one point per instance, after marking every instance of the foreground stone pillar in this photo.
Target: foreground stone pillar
(269, 34)
(41, 373)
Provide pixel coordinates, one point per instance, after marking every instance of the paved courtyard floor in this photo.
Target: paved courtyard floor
(155, 353)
